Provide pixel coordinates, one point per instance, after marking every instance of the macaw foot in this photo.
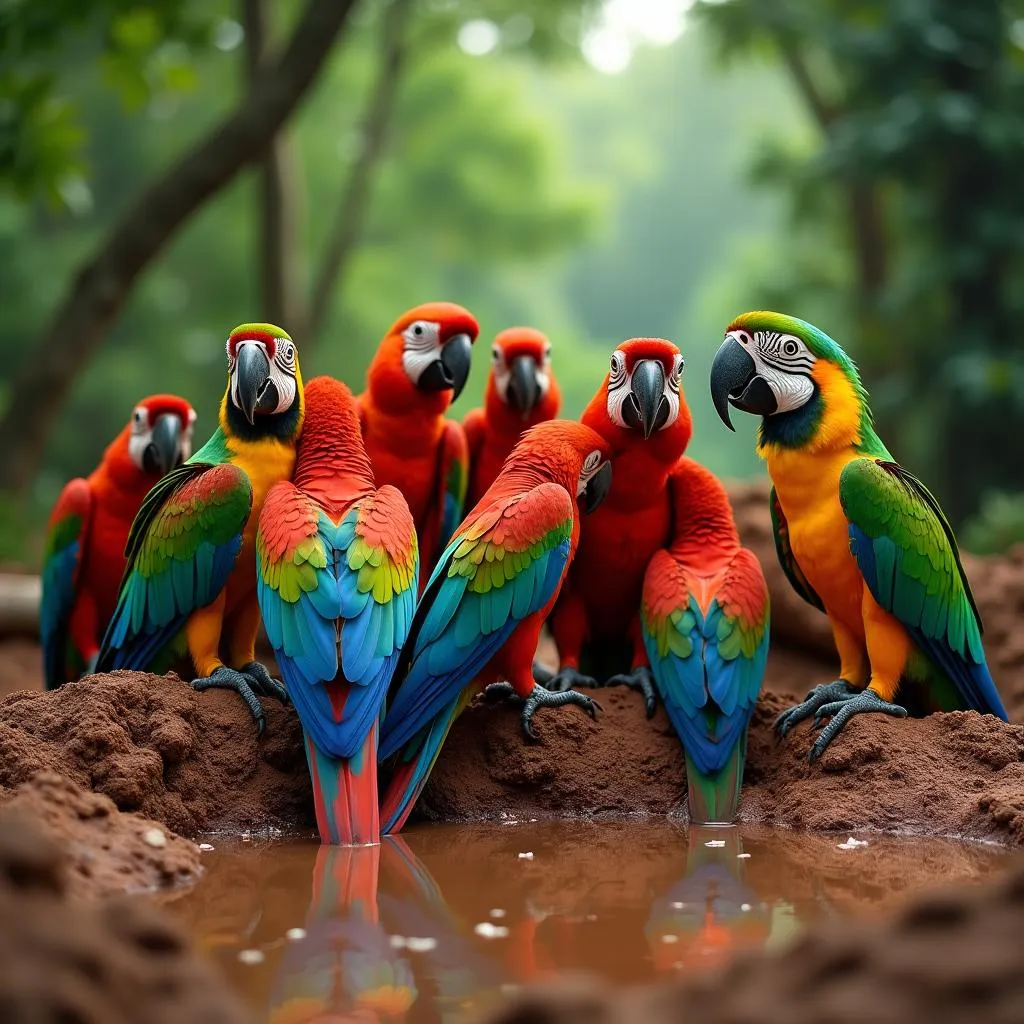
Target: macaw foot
(563, 680)
(826, 693)
(640, 679)
(842, 711)
(541, 698)
(251, 680)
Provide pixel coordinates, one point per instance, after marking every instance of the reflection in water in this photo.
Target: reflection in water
(439, 923)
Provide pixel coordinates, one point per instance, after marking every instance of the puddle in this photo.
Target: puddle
(437, 924)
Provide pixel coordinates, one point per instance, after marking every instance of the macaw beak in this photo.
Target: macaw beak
(451, 368)
(163, 452)
(734, 379)
(524, 385)
(254, 390)
(646, 408)
(597, 489)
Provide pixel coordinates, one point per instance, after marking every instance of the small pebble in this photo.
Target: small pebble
(424, 945)
(205, 847)
(526, 856)
(745, 907)
(251, 956)
(246, 837)
(497, 912)
(487, 930)
(669, 939)
(852, 844)
(743, 856)
(295, 934)
(715, 842)
(396, 941)
(154, 837)
(678, 906)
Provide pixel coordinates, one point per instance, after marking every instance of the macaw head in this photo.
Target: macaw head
(570, 454)
(158, 436)
(264, 393)
(521, 381)
(792, 374)
(424, 358)
(641, 399)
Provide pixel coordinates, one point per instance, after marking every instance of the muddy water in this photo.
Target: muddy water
(435, 925)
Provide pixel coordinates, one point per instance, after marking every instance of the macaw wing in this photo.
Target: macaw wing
(181, 551)
(62, 560)
(797, 579)
(707, 641)
(504, 563)
(322, 585)
(908, 556)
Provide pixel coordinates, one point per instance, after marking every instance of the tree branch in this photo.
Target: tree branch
(348, 222)
(102, 284)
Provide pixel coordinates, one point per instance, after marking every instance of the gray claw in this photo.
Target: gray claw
(566, 679)
(263, 682)
(642, 680)
(860, 703)
(544, 698)
(224, 678)
(501, 691)
(837, 691)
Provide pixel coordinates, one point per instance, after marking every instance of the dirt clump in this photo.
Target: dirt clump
(115, 962)
(107, 851)
(946, 956)
(155, 747)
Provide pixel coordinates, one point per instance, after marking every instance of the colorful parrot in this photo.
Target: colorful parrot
(84, 557)
(479, 619)
(419, 370)
(337, 570)
(190, 584)
(705, 625)
(857, 535)
(521, 392)
(641, 412)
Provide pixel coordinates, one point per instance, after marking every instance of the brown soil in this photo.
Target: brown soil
(951, 956)
(112, 963)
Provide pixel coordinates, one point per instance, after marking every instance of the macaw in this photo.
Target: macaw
(479, 619)
(704, 614)
(84, 556)
(641, 412)
(190, 583)
(521, 392)
(337, 569)
(420, 368)
(858, 536)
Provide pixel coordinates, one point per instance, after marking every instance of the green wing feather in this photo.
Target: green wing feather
(798, 581)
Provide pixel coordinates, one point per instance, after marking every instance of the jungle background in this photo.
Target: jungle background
(599, 170)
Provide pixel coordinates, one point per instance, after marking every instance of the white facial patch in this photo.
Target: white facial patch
(141, 435)
(422, 344)
(785, 363)
(620, 383)
(591, 464)
(503, 373)
(282, 371)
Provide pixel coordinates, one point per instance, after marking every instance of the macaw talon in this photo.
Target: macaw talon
(843, 711)
(224, 678)
(640, 679)
(837, 691)
(501, 691)
(566, 679)
(544, 698)
(264, 683)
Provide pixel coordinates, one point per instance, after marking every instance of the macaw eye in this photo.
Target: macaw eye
(418, 330)
(790, 347)
(139, 416)
(547, 351)
(496, 354)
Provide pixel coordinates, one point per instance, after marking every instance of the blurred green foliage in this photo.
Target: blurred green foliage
(997, 526)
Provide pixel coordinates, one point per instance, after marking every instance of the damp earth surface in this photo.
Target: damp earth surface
(448, 921)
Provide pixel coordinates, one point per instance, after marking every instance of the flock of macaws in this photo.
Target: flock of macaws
(338, 522)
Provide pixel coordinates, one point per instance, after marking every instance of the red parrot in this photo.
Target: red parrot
(479, 619)
(641, 413)
(521, 392)
(420, 368)
(84, 558)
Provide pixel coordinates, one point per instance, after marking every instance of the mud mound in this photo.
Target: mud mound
(154, 746)
(949, 956)
(114, 963)
(107, 851)
(954, 774)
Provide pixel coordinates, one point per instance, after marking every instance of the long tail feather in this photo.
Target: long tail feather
(410, 776)
(345, 793)
(714, 799)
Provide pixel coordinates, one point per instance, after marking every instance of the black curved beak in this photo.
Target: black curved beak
(524, 385)
(252, 381)
(597, 489)
(647, 408)
(734, 379)
(163, 452)
(451, 368)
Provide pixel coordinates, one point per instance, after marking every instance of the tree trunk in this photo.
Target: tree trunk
(348, 222)
(102, 284)
(281, 292)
